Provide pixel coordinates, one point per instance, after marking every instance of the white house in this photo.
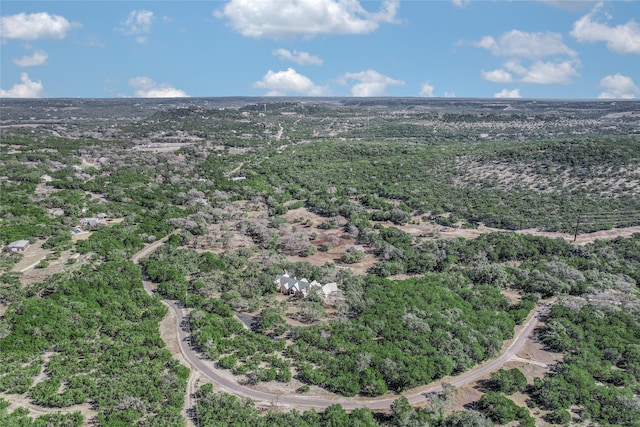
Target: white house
(288, 285)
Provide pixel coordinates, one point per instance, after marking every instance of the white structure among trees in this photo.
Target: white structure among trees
(290, 285)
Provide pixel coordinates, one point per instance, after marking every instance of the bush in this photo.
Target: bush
(352, 256)
(558, 416)
(303, 389)
(325, 247)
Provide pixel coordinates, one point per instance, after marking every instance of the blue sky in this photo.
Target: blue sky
(528, 49)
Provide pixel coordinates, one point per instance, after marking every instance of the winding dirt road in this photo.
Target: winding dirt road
(229, 384)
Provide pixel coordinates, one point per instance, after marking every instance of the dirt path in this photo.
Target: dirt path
(227, 383)
(169, 332)
(581, 239)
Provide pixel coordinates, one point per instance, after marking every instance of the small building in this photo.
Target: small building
(18, 246)
(290, 286)
(92, 222)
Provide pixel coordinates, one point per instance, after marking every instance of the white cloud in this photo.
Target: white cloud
(34, 26)
(302, 58)
(449, 94)
(370, 83)
(26, 89)
(39, 57)
(539, 72)
(623, 38)
(498, 76)
(144, 87)
(427, 90)
(505, 93)
(287, 18)
(460, 3)
(288, 82)
(138, 24)
(550, 72)
(618, 86)
(526, 45)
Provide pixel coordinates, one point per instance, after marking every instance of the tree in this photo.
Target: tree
(402, 414)
(467, 419)
(508, 382)
(558, 416)
(502, 410)
(352, 256)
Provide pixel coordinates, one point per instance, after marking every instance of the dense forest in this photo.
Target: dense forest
(242, 193)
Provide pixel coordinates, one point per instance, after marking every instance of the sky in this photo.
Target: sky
(460, 48)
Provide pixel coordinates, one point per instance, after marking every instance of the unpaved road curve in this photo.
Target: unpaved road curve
(303, 402)
(191, 388)
(229, 384)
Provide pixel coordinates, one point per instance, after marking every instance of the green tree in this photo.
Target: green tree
(508, 381)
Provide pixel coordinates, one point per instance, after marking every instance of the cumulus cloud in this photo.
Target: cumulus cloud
(138, 24)
(449, 94)
(281, 83)
(545, 72)
(369, 83)
(624, 38)
(505, 93)
(526, 45)
(302, 58)
(39, 57)
(533, 49)
(427, 90)
(498, 76)
(144, 87)
(618, 86)
(288, 18)
(26, 89)
(34, 26)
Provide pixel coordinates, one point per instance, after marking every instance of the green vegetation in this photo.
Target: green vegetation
(101, 328)
(503, 410)
(401, 334)
(391, 179)
(20, 417)
(508, 381)
(224, 176)
(601, 370)
(221, 409)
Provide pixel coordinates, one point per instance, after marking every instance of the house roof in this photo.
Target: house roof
(302, 285)
(19, 244)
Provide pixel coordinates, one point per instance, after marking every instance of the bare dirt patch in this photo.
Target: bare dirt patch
(338, 240)
(32, 257)
(428, 229)
(512, 296)
(34, 275)
(43, 374)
